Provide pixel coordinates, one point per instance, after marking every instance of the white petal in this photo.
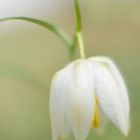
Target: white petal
(112, 92)
(59, 123)
(80, 99)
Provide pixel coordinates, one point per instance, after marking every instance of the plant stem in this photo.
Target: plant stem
(81, 45)
(79, 28)
(78, 15)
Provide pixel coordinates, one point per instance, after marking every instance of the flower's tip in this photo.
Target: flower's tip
(126, 132)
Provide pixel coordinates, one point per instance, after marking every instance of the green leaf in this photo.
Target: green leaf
(60, 33)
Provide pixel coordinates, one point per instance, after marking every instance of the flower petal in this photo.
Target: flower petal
(80, 99)
(60, 127)
(112, 92)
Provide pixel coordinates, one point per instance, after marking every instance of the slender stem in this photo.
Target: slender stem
(81, 45)
(79, 28)
(78, 15)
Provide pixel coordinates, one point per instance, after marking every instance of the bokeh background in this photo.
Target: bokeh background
(30, 55)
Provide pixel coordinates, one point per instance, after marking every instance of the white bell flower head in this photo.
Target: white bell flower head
(79, 93)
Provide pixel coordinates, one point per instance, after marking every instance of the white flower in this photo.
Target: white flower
(83, 89)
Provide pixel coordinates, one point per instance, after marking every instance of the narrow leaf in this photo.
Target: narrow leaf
(60, 33)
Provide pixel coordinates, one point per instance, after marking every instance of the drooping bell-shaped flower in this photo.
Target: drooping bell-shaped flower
(80, 91)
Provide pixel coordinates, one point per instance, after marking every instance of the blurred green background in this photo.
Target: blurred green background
(30, 55)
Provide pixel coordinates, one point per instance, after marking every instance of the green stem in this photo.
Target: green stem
(78, 15)
(79, 28)
(81, 45)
